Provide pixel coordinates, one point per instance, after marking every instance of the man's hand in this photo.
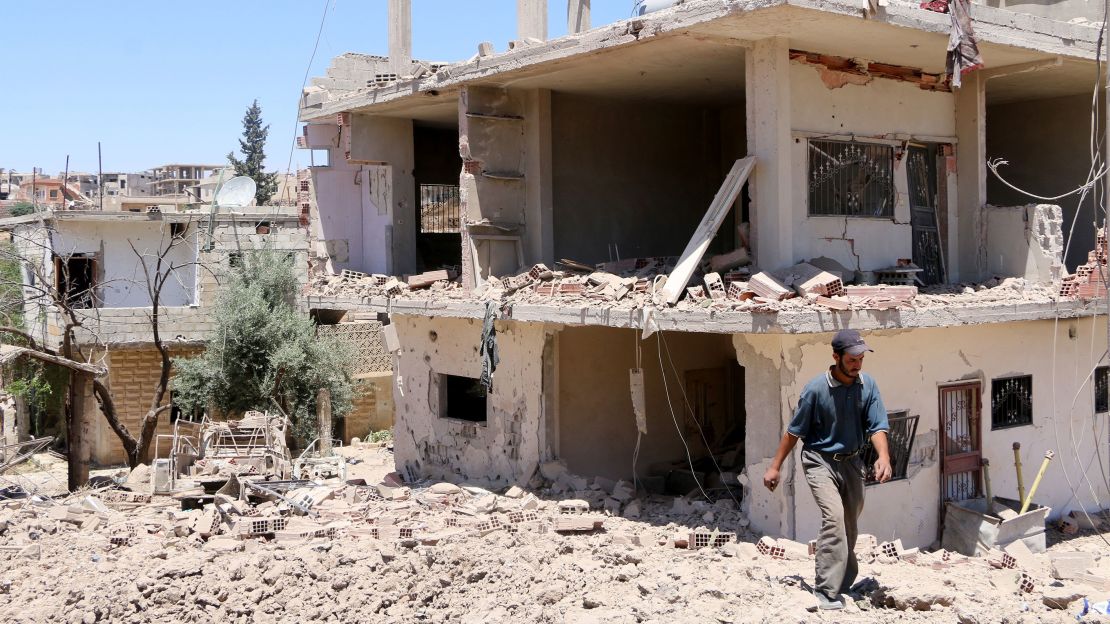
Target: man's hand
(883, 471)
(771, 478)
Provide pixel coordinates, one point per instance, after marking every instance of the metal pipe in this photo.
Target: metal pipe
(987, 484)
(1048, 455)
(1017, 466)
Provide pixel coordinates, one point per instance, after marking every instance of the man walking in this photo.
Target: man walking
(838, 411)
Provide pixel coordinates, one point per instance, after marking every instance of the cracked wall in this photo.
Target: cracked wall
(897, 112)
(910, 366)
(1024, 241)
(503, 450)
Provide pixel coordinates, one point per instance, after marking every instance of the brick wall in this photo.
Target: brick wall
(373, 406)
(132, 376)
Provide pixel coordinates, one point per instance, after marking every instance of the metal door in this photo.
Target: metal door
(921, 171)
(961, 447)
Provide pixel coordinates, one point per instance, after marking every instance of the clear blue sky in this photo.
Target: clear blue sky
(159, 82)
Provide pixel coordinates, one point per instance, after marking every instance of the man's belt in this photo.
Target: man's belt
(843, 456)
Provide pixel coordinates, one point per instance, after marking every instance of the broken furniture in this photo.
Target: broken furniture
(317, 465)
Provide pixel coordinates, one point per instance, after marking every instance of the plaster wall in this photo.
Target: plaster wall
(507, 448)
(631, 173)
(597, 427)
(1047, 157)
(910, 365)
(387, 143)
(882, 107)
(122, 283)
(339, 201)
(1060, 10)
(1024, 241)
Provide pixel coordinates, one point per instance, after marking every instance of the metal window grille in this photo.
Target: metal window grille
(852, 179)
(439, 209)
(1011, 401)
(903, 428)
(1102, 389)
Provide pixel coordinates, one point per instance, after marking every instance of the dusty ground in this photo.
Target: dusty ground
(53, 570)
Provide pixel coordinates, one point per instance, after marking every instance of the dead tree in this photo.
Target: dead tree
(75, 310)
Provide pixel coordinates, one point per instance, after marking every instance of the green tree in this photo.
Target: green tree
(22, 208)
(265, 351)
(253, 145)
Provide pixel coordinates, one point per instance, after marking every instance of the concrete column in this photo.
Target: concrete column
(971, 180)
(531, 19)
(578, 16)
(767, 94)
(400, 36)
(539, 234)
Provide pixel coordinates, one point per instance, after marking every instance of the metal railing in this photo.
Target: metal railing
(439, 209)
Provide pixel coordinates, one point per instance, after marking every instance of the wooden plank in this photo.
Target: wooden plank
(707, 229)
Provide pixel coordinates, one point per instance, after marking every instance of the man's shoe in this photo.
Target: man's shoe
(825, 603)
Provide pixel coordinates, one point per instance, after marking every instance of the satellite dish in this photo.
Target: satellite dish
(236, 192)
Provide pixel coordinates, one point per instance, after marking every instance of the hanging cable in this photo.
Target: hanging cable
(677, 428)
(304, 82)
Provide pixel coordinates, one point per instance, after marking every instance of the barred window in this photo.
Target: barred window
(903, 428)
(1102, 389)
(1011, 401)
(852, 179)
(439, 209)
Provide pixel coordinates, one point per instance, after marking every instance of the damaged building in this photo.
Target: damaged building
(91, 259)
(659, 223)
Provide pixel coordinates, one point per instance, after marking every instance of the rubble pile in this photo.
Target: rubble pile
(1089, 280)
(379, 550)
(633, 283)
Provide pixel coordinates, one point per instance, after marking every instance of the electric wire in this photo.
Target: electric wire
(304, 82)
(677, 428)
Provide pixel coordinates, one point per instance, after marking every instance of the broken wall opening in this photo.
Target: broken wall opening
(1046, 143)
(694, 396)
(462, 398)
(436, 172)
(633, 177)
(75, 279)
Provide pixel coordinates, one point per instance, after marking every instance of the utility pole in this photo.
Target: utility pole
(100, 176)
(65, 182)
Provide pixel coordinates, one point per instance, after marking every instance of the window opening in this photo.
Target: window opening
(235, 259)
(903, 428)
(1011, 401)
(75, 279)
(262, 227)
(177, 230)
(462, 398)
(439, 209)
(1102, 389)
(852, 179)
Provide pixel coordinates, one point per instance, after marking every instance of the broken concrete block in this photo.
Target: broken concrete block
(1023, 557)
(632, 509)
(715, 286)
(1061, 595)
(768, 547)
(552, 470)
(389, 336)
(622, 491)
(704, 538)
(1066, 565)
(445, 488)
(891, 549)
(514, 492)
(792, 549)
(573, 523)
(34, 551)
(735, 258)
(573, 506)
(606, 485)
(766, 286)
(611, 505)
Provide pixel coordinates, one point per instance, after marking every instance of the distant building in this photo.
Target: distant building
(176, 179)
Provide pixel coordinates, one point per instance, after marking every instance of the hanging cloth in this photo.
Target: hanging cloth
(490, 359)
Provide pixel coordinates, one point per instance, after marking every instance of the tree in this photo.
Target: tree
(266, 352)
(76, 309)
(22, 208)
(253, 145)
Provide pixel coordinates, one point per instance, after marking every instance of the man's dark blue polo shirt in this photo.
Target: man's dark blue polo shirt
(835, 418)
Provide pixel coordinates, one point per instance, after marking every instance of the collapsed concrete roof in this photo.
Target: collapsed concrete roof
(705, 43)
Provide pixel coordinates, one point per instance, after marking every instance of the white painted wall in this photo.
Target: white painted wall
(122, 282)
(910, 365)
(882, 107)
(453, 449)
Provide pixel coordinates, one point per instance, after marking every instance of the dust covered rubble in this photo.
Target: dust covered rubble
(443, 552)
(630, 285)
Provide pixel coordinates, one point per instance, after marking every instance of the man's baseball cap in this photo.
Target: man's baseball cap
(849, 341)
